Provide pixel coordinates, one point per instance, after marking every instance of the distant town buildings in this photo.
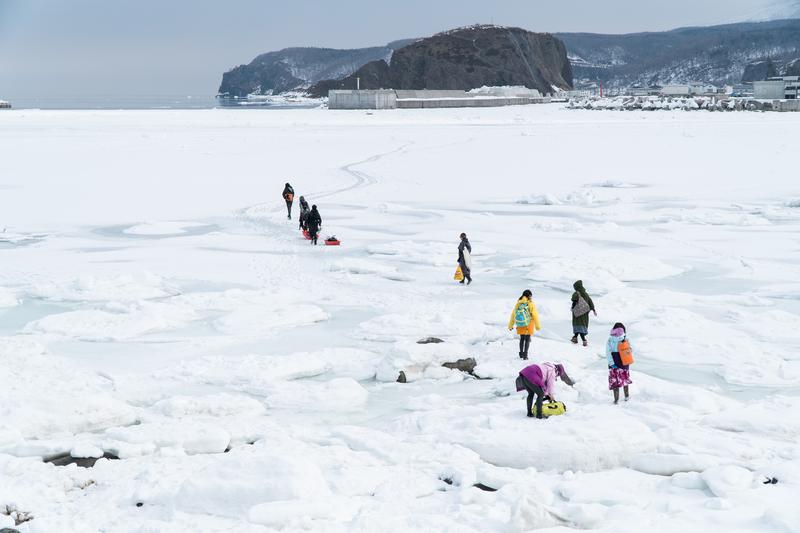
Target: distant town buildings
(5, 105)
(640, 90)
(688, 89)
(778, 88)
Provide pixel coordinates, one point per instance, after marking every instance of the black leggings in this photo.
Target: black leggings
(581, 335)
(533, 389)
(313, 233)
(524, 344)
(289, 207)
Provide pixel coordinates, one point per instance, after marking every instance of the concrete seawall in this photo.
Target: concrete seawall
(423, 99)
(433, 103)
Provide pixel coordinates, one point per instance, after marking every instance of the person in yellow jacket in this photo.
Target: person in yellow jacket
(525, 318)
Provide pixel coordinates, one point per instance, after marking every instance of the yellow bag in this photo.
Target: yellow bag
(551, 409)
(458, 276)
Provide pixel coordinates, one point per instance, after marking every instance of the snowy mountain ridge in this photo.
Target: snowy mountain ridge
(714, 54)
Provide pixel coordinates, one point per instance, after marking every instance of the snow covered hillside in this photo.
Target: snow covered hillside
(158, 313)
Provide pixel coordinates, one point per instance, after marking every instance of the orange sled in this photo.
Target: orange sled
(306, 234)
(332, 241)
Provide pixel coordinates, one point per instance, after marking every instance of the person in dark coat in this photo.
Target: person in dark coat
(314, 222)
(288, 196)
(581, 302)
(304, 210)
(465, 258)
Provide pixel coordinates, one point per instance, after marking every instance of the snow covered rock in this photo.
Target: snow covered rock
(414, 360)
(463, 365)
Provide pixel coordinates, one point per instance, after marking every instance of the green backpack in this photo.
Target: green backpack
(522, 318)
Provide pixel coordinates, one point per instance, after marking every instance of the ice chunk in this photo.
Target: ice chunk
(726, 480)
(263, 320)
(235, 483)
(215, 405)
(663, 464)
(145, 438)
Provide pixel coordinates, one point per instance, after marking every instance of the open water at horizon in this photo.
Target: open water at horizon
(138, 102)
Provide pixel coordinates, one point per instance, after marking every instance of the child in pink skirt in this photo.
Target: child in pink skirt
(619, 375)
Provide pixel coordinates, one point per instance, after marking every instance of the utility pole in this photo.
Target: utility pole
(358, 84)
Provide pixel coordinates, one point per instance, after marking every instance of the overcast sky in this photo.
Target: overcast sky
(139, 47)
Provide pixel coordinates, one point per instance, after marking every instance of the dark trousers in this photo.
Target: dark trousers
(465, 270)
(289, 207)
(313, 231)
(536, 390)
(524, 344)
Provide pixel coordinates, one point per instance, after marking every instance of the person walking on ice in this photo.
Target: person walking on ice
(540, 381)
(314, 223)
(620, 357)
(288, 196)
(303, 212)
(465, 259)
(582, 305)
(526, 319)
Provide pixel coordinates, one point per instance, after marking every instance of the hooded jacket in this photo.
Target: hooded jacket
(544, 375)
(288, 193)
(612, 346)
(535, 325)
(313, 219)
(582, 320)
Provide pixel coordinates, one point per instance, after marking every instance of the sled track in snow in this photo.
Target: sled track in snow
(361, 179)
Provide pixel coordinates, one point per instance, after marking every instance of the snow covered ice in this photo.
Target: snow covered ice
(157, 307)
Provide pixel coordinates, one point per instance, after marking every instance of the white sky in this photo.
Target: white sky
(113, 47)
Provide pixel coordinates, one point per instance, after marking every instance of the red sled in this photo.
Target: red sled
(306, 234)
(333, 242)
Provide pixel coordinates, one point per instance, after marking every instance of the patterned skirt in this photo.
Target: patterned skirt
(618, 377)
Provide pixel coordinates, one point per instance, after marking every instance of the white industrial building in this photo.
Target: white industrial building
(781, 88)
(688, 89)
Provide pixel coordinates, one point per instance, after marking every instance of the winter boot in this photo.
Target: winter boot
(574, 339)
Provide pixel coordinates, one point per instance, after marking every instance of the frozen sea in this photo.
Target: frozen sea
(157, 306)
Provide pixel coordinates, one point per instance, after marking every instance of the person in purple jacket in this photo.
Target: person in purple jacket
(540, 381)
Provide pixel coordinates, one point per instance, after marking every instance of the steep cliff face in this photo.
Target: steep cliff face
(467, 58)
(298, 68)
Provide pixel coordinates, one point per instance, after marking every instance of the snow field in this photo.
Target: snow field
(173, 318)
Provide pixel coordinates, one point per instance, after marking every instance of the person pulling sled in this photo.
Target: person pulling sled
(304, 210)
(314, 222)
